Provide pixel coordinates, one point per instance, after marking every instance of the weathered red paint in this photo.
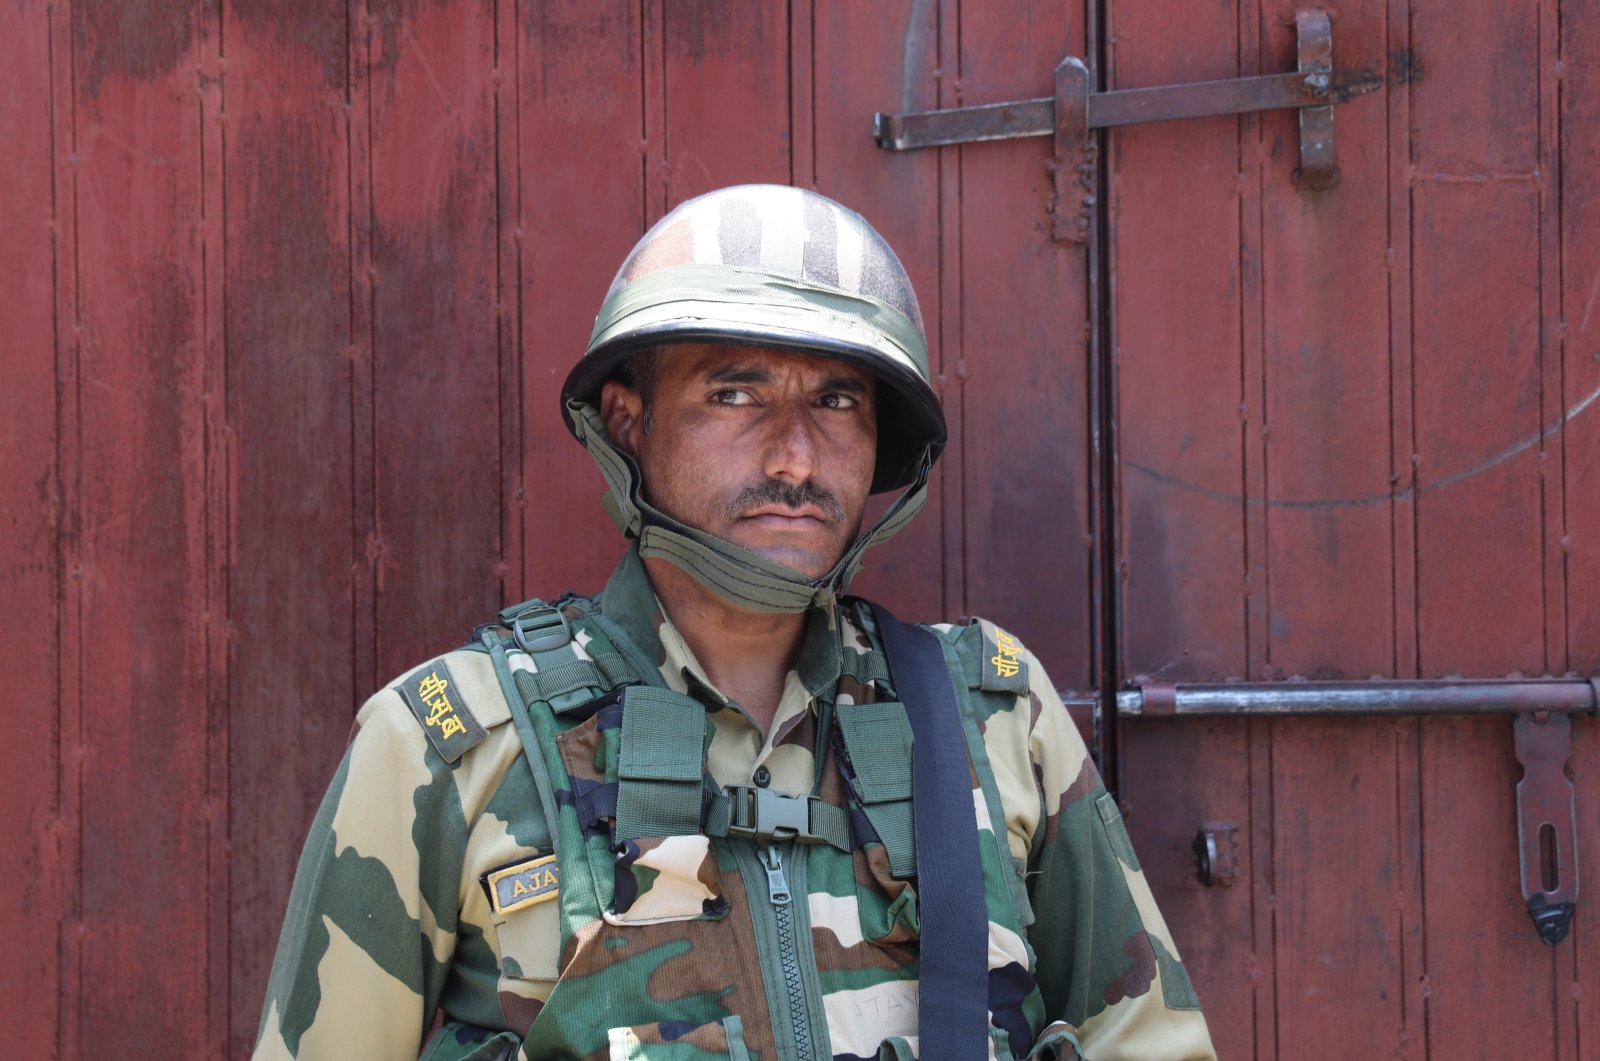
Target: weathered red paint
(580, 100)
(435, 334)
(31, 870)
(1337, 460)
(1577, 64)
(288, 351)
(135, 739)
(1020, 359)
(287, 244)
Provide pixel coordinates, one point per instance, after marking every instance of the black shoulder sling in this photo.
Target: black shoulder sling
(953, 1015)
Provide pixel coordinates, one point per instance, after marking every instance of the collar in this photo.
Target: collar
(629, 601)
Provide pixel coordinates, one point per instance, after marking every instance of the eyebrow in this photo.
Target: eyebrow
(736, 375)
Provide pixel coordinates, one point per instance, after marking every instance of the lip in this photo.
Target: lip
(784, 516)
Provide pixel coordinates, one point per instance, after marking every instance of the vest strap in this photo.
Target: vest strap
(953, 1020)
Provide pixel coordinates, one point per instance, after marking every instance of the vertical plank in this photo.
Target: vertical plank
(1325, 540)
(436, 350)
(1184, 226)
(217, 471)
(726, 82)
(141, 952)
(1325, 409)
(1335, 879)
(1022, 364)
(287, 264)
(1578, 69)
(1580, 272)
(30, 573)
(1476, 308)
(898, 192)
(579, 96)
(1477, 386)
(1403, 616)
(69, 611)
(1177, 323)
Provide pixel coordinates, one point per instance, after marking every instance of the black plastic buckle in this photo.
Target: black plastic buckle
(542, 630)
(765, 816)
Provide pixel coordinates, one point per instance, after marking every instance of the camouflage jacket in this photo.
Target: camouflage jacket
(560, 898)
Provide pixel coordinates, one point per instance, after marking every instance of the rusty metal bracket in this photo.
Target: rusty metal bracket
(1547, 832)
(1216, 854)
(1074, 111)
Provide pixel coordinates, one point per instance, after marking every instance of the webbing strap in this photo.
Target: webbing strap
(569, 675)
(661, 764)
(953, 1018)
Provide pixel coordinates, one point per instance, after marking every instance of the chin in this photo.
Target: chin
(805, 561)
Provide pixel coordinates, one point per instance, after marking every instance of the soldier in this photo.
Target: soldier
(679, 818)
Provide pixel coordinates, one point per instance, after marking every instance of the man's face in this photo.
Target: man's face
(773, 451)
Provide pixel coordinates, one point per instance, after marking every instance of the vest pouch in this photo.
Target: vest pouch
(637, 769)
(874, 754)
(671, 1040)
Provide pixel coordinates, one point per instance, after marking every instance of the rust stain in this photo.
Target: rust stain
(137, 39)
(313, 26)
(1404, 67)
(915, 50)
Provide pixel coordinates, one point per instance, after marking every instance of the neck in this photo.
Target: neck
(747, 655)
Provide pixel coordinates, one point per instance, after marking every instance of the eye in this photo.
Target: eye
(731, 396)
(835, 400)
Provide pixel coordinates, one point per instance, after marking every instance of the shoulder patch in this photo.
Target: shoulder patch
(1003, 667)
(523, 884)
(435, 698)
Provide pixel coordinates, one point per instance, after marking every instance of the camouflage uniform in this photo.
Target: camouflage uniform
(428, 878)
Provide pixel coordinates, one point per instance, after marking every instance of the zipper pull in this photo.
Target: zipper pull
(777, 883)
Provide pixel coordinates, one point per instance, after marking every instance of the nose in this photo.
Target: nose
(791, 443)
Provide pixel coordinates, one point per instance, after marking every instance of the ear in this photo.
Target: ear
(622, 411)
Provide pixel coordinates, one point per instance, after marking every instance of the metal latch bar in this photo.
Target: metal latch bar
(1074, 110)
(1286, 699)
(1547, 833)
(1127, 106)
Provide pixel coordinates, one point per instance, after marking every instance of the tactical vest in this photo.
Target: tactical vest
(698, 921)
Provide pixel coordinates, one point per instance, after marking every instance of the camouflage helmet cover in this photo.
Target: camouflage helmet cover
(783, 267)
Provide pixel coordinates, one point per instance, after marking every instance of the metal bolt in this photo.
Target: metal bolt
(1318, 82)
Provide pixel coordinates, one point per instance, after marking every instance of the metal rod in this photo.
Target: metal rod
(965, 125)
(1393, 698)
(1127, 106)
(1132, 106)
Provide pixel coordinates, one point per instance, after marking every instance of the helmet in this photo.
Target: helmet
(784, 267)
(764, 265)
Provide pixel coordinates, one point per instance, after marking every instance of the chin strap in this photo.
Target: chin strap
(737, 574)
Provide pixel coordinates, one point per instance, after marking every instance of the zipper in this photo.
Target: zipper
(779, 895)
(783, 944)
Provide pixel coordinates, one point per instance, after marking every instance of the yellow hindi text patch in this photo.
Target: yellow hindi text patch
(1005, 666)
(523, 884)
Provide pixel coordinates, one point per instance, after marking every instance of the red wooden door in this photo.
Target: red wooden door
(287, 290)
(1352, 441)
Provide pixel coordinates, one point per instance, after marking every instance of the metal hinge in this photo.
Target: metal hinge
(1547, 831)
(1075, 110)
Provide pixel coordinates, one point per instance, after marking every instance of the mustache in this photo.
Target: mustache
(773, 492)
